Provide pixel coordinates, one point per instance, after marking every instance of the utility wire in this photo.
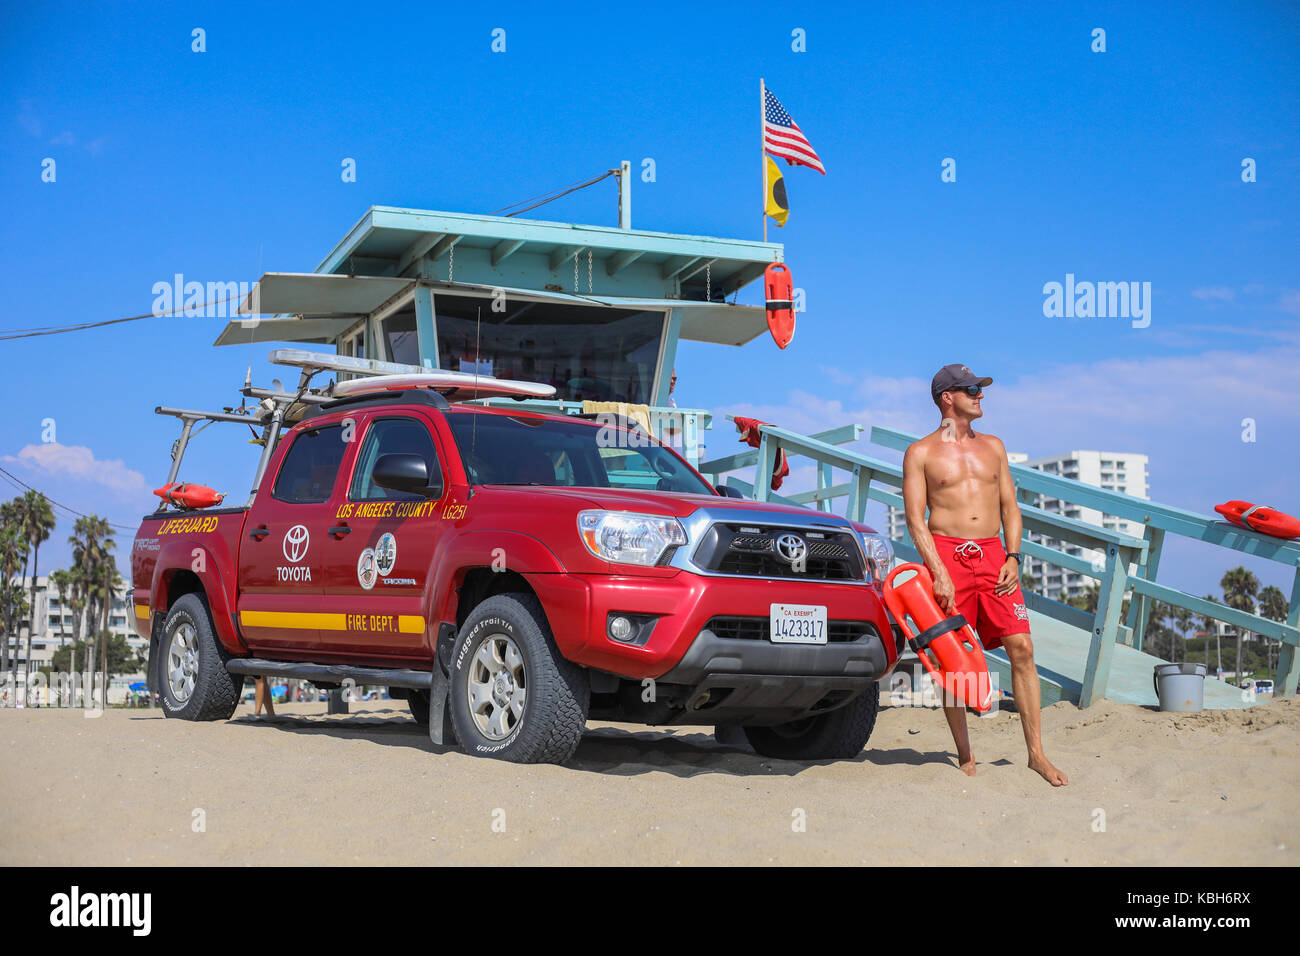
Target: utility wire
(18, 482)
(543, 198)
(9, 334)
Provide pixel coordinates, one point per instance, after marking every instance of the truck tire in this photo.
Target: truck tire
(192, 677)
(513, 695)
(837, 735)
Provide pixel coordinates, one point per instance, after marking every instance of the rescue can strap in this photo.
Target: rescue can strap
(922, 640)
(780, 303)
(1245, 516)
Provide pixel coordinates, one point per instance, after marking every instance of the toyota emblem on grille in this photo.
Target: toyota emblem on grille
(791, 548)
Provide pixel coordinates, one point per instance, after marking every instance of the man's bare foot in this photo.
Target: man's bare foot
(966, 766)
(1043, 767)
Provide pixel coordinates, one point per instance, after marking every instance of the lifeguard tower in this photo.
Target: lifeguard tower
(595, 311)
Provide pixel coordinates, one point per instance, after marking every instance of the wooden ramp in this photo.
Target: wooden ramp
(1060, 651)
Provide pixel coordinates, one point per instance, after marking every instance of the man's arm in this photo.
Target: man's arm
(914, 502)
(1012, 527)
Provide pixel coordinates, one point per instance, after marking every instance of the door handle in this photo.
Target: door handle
(339, 530)
(258, 533)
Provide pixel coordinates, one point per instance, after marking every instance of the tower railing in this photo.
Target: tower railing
(1125, 562)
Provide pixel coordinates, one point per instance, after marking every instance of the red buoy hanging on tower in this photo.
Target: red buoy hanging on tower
(779, 287)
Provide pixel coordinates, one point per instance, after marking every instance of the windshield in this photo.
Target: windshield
(504, 450)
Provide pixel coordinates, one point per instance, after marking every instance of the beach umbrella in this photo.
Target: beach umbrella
(138, 685)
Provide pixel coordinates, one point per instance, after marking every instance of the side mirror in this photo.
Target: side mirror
(729, 492)
(406, 473)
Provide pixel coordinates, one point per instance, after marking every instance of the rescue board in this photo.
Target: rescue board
(189, 496)
(1260, 518)
(947, 646)
(454, 386)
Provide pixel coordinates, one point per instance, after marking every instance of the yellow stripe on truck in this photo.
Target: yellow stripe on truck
(142, 611)
(307, 620)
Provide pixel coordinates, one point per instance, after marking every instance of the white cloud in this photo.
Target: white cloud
(77, 463)
(1219, 293)
(1290, 302)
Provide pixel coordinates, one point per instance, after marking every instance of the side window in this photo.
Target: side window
(392, 436)
(308, 471)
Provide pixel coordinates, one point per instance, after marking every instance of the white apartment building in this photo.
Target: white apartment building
(54, 627)
(1124, 472)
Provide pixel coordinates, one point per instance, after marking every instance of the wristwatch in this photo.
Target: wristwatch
(1016, 555)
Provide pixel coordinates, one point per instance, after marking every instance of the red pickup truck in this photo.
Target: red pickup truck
(513, 574)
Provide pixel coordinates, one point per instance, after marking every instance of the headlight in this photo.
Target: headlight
(629, 538)
(880, 554)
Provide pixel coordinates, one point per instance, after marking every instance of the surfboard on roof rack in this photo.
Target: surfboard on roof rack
(454, 386)
(377, 376)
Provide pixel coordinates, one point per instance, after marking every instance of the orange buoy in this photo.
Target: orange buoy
(1260, 518)
(779, 287)
(948, 647)
(189, 496)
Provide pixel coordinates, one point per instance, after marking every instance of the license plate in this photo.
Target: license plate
(798, 624)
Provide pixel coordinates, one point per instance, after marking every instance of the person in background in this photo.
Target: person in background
(262, 695)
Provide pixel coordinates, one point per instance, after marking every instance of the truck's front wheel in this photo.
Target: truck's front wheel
(193, 679)
(837, 735)
(513, 696)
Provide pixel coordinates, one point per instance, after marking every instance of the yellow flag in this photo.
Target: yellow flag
(777, 207)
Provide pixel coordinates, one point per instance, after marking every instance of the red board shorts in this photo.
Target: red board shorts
(973, 565)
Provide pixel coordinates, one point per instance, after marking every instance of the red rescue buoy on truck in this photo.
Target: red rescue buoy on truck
(779, 286)
(189, 496)
(1260, 518)
(948, 647)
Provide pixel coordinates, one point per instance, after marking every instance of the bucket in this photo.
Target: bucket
(1180, 687)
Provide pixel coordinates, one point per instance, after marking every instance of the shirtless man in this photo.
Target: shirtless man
(965, 481)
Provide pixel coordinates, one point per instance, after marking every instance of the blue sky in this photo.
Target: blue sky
(1115, 166)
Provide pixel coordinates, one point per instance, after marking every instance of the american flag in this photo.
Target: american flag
(782, 136)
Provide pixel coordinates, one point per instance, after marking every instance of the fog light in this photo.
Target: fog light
(620, 628)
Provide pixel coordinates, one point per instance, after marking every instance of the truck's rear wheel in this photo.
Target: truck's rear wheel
(837, 735)
(193, 679)
(513, 696)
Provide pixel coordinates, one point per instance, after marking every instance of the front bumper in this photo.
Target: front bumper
(682, 648)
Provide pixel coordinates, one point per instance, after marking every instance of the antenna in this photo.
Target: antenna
(473, 441)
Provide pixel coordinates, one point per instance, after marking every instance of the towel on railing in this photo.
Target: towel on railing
(750, 434)
(638, 413)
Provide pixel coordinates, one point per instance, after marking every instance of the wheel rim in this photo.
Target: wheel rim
(497, 687)
(182, 661)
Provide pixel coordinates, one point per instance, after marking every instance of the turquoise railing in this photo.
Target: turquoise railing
(1160, 520)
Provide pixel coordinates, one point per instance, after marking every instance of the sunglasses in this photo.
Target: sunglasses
(971, 390)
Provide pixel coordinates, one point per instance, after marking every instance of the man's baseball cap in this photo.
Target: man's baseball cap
(955, 376)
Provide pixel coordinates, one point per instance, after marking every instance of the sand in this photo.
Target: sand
(132, 787)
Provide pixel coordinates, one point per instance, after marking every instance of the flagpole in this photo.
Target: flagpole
(762, 146)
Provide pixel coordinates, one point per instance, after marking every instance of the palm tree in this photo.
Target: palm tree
(11, 556)
(92, 545)
(1157, 632)
(1211, 625)
(1274, 606)
(1239, 589)
(1180, 618)
(37, 522)
(61, 582)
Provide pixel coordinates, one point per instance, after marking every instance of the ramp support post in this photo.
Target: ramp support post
(1288, 661)
(1105, 627)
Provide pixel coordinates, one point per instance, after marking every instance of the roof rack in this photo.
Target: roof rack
(395, 382)
(419, 396)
